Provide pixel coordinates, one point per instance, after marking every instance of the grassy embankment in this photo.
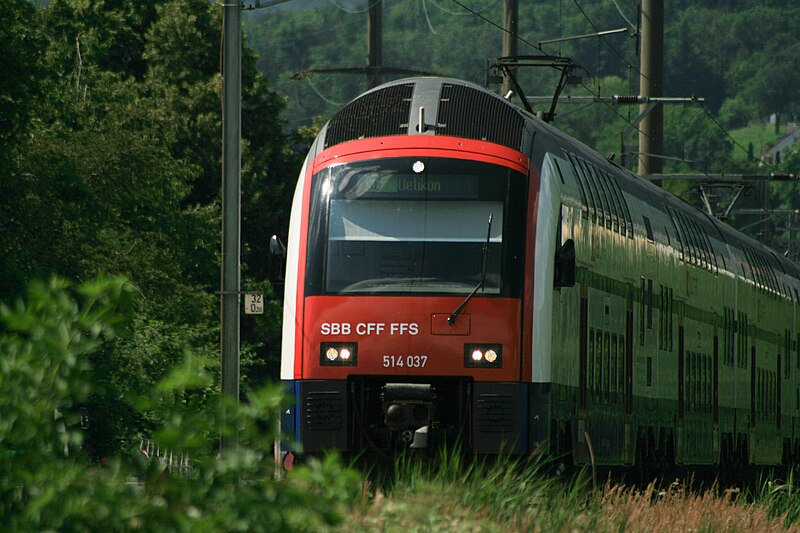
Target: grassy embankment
(509, 497)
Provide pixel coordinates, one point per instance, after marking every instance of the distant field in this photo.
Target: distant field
(762, 136)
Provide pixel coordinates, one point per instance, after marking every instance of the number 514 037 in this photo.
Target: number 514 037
(404, 361)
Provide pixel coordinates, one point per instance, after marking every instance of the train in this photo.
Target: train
(460, 271)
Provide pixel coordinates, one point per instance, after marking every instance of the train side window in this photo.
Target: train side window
(700, 378)
(598, 361)
(598, 200)
(628, 217)
(591, 196)
(641, 312)
(678, 235)
(565, 267)
(697, 258)
(616, 210)
(712, 253)
(705, 245)
(697, 244)
(693, 380)
(648, 228)
(700, 381)
(560, 174)
(621, 368)
(649, 304)
(787, 349)
(605, 193)
(665, 319)
(601, 194)
(727, 338)
(701, 361)
(666, 307)
(615, 383)
(709, 380)
(690, 380)
(607, 364)
(581, 190)
(590, 363)
(662, 319)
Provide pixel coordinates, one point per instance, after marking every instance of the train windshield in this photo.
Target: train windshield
(416, 225)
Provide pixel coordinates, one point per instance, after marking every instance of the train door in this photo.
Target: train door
(715, 398)
(581, 450)
(583, 385)
(681, 392)
(753, 386)
(629, 443)
(778, 396)
(715, 382)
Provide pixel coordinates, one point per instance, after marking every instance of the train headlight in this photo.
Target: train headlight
(338, 354)
(483, 356)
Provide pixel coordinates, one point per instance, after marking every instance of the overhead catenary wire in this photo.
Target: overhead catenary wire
(611, 46)
(427, 18)
(344, 9)
(486, 6)
(621, 14)
(517, 36)
(322, 96)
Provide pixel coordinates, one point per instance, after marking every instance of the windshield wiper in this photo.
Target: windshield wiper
(452, 318)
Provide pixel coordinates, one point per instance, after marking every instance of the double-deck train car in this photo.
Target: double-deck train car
(460, 271)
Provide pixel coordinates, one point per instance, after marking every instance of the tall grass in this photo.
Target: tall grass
(451, 493)
(781, 500)
(480, 494)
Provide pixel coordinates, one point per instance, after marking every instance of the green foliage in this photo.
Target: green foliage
(47, 483)
(111, 160)
(21, 65)
(695, 139)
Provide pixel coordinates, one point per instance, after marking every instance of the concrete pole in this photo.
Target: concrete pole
(651, 83)
(510, 17)
(231, 202)
(375, 44)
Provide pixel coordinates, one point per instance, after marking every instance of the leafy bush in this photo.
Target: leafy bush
(47, 481)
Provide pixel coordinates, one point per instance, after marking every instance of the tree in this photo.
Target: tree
(120, 174)
(22, 70)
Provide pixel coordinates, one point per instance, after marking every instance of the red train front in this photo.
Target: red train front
(405, 293)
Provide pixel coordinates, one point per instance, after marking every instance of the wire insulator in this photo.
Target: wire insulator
(625, 99)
